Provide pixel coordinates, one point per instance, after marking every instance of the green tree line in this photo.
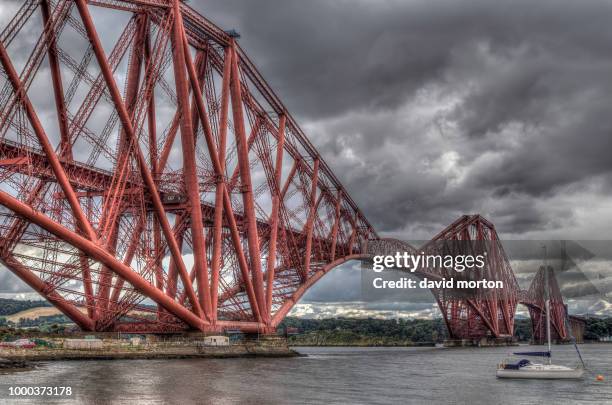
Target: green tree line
(10, 307)
(390, 332)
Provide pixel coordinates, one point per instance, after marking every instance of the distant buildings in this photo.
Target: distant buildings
(216, 341)
(19, 343)
(83, 344)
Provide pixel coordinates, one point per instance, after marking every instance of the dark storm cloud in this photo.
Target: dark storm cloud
(430, 110)
(10, 284)
(343, 54)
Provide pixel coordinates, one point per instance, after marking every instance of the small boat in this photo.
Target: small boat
(528, 370)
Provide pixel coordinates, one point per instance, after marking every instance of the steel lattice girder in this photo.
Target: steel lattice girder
(123, 226)
(490, 314)
(486, 313)
(535, 298)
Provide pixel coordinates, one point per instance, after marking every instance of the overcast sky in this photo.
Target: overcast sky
(430, 110)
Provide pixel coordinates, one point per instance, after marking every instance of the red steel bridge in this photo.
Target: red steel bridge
(151, 180)
(485, 313)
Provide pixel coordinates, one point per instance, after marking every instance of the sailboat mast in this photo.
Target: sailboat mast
(547, 305)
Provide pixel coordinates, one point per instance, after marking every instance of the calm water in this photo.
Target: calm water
(327, 375)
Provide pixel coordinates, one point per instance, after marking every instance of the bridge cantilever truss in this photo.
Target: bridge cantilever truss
(167, 187)
(534, 299)
(484, 312)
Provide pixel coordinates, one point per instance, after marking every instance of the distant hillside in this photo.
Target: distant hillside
(10, 307)
(393, 332)
(33, 313)
(364, 332)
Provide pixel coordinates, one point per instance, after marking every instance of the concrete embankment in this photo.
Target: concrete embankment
(174, 350)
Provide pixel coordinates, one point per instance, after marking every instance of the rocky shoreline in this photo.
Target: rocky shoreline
(17, 357)
(14, 364)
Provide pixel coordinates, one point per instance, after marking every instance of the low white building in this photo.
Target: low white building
(216, 341)
(135, 341)
(83, 344)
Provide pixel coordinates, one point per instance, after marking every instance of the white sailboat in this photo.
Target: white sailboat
(529, 370)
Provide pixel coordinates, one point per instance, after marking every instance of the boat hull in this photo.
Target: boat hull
(569, 374)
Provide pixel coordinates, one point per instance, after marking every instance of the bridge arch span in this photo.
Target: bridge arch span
(291, 301)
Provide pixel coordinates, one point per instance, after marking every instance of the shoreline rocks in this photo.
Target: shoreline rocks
(12, 364)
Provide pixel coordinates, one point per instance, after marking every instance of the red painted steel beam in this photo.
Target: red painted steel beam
(47, 292)
(153, 158)
(297, 294)
(133, 80)
(196, 87)
(220, 172)
(119, 283)
(289, 179)
(95, 180)
(201, 29)
(219, 192)
(334, 231)
(247, 188)
(189, 161)
(173, 270)
(165, 153)
(58, 170)
(130, 5)
(129, 256)
(311, 216)
(56, 79)
(242, 263)
(148, 179)
(278, 167)
(97, 253)
(54, 162)
(244, 326)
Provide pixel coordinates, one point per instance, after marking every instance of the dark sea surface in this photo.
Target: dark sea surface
(324, 376)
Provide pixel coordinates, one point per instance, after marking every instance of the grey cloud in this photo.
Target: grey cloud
(427, 111)
(10, 284)
(527, 90)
